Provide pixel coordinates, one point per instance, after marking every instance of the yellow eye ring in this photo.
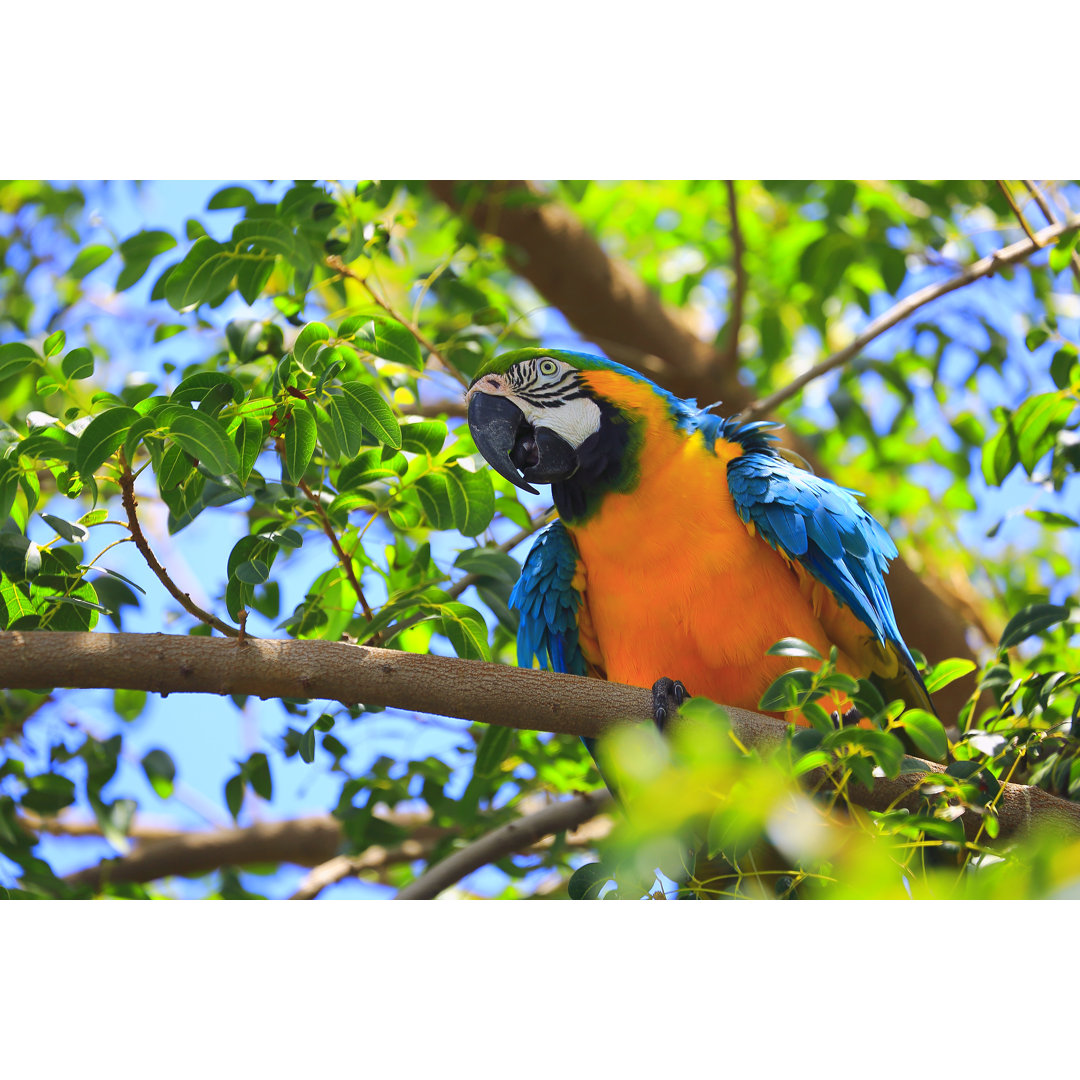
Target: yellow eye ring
(548, 367)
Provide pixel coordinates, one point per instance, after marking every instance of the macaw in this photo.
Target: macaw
(686, 544)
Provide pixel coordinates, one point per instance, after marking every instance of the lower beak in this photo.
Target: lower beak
(515, 449)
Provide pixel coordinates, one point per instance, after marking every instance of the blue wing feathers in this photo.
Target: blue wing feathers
(823, 527)
(548, 604)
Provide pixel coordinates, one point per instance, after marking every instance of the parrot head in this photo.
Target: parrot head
(546, 416)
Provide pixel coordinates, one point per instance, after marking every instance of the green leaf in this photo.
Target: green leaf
(73, 534)
(348, 429)
(1062, 364)
(199, 386)
(257, 773)
(15, 357)
(252, 276)
(229, 197)
(253, 572)
(489, 563)
(791, 646)
(234, 795)
(1030, 621)
(306, 746)
(1036, 422)
(1062, 251)
(926, 731)
(104, 435)
(388, 339)
(248, 440)
(90, 258)
(301, 435)
(1000, 454)
(433, 490)
(204, 438)
(78, 364)
(886, 749)
(376, 416)
(424, 437)
(1052, 519)
(493, 749)
(308, 343)
(587, 881)
(472, 499)
(265, 234)
(466, 630)
(203, 271)
(138, 252)
(54, 343)
(9, 486)
(790, 691)
(48, 794)
(948, 671)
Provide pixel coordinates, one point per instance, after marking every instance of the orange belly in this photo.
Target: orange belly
(676, 585)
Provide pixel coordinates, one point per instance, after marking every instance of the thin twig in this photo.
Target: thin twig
(127, 497)
(898, 312)
(730, 356)
(1017, 212)
(339, 551)
(506, 840)
(1051, 219)
(335, 263)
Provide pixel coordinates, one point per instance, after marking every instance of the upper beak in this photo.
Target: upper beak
(513, 448)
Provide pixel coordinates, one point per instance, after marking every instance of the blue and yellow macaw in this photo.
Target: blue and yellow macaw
(686, 544)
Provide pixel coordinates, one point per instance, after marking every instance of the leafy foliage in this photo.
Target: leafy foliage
(295, 432)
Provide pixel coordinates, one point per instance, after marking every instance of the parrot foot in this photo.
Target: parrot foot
(667, 696)
(849, 719)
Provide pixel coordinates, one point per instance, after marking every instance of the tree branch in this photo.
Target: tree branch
(730, 357)
(1015, 253)
(127, 497)
(507, 839)
(306, 842)
(469, 689)
(344, 560)
(1051, 219)
(603, 298)
(1017, 212)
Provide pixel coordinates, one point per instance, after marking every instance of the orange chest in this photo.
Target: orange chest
(676, 585)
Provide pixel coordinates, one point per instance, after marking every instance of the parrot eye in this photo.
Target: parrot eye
(548, 367)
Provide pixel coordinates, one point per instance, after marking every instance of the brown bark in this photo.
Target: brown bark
(469, 689)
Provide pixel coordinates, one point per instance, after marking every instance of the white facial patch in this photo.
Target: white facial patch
(573, 421)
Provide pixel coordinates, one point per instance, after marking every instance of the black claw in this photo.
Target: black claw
(850, 719)
(667, 696)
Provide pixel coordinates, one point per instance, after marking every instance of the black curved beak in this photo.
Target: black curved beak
(515, 449)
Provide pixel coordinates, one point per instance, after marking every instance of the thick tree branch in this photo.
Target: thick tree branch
(306, 842)
(511, 837)
(603, 298)
(468, 689)
(1014, 253)
(730, 358)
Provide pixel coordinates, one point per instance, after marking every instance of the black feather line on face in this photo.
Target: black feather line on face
(607, 463)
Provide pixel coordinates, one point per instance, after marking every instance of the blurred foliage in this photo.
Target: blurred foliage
(324, 410)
